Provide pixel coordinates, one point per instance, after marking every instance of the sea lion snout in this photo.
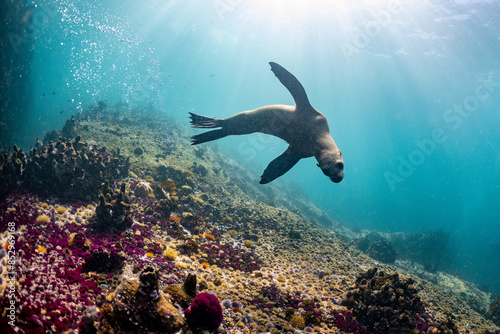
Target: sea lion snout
(336, 174)
(333, 167)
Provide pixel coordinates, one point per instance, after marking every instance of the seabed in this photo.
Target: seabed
(107, 224)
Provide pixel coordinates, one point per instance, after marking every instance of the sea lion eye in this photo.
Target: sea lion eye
(339, 165)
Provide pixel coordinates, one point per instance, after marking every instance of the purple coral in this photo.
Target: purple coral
(205, 313)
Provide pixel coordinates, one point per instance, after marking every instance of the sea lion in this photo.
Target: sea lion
(301, 126)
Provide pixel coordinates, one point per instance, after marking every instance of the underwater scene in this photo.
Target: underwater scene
(250, 166)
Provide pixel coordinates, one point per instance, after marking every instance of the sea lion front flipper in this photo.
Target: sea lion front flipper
(280, 166)
(292, 84)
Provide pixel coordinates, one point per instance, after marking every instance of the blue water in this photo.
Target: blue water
(411, 91)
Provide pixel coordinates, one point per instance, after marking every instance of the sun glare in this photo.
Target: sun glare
(312, 8)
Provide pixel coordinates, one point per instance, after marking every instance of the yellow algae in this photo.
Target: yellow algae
(110, 297)
(60, 210)
(43, 219)
(198, 200)
(170, 254)
(248, 243)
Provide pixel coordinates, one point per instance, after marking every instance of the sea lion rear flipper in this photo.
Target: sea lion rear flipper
(292, 84)
(208, 136)
(199, 121)
(280, 166)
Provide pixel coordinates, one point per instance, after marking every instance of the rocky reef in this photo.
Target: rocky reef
(494, 312)
(380, 249)
(390, 304)
(385, 303)
(69, 169)
(175, 239)
(136, 306)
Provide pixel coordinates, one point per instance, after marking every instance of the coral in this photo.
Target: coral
(205, 313)
(385, 303)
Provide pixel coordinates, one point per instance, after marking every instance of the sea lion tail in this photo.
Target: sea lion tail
(199, 121)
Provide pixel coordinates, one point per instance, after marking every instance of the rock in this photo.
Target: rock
(384, 303)
(138, 151)
(143, 189)
(140, 307)
(183, 295)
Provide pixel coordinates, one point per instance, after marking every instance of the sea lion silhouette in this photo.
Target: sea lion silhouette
(301, 126)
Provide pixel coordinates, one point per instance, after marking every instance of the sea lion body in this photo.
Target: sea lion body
(301, 126)
(299, 130)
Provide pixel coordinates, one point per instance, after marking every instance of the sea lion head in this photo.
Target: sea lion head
(332, 164)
